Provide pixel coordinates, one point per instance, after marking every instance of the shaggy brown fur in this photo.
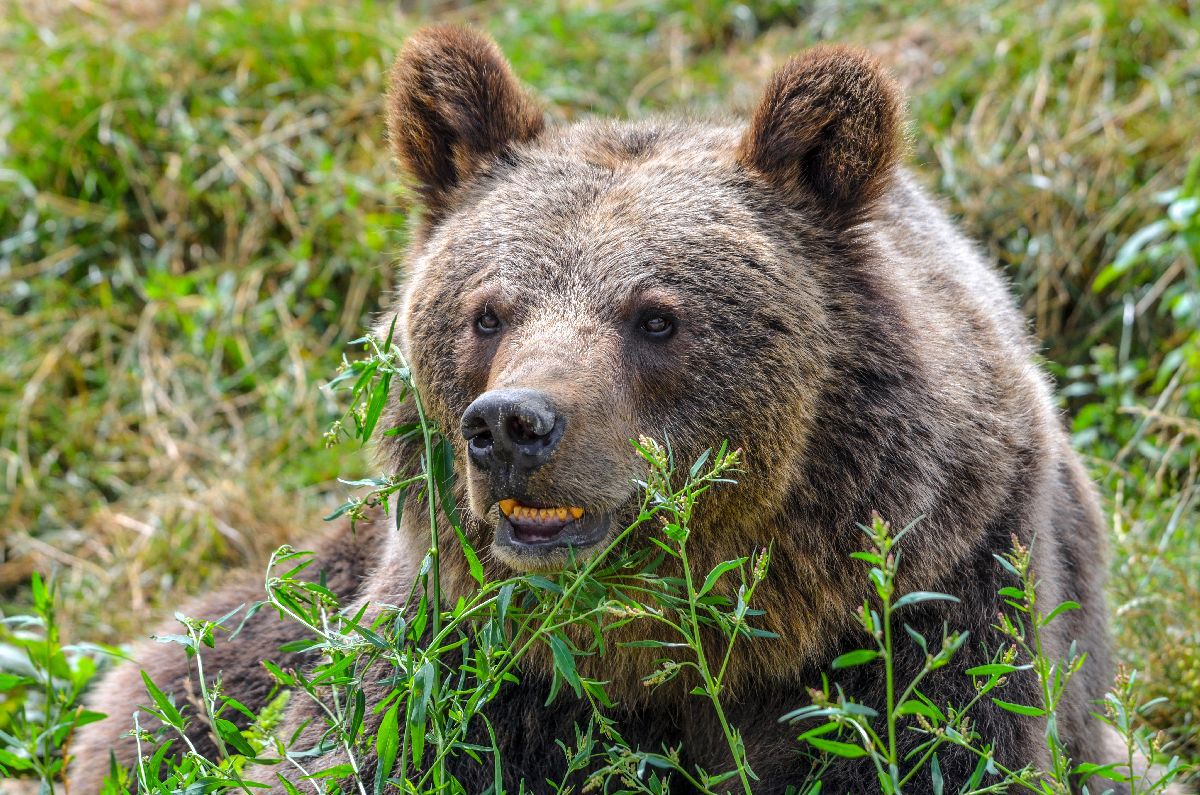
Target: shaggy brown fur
(828, 126)
(830, 322)
(453, 106)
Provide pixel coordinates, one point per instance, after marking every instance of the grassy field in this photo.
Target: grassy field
(197, 213)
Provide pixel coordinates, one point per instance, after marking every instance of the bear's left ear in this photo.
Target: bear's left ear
(454, 105)
(827, 132)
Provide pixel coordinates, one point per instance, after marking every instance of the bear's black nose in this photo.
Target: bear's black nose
(511, 427)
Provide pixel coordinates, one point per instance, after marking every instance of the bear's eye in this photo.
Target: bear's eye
(487, 322)
(658, 326)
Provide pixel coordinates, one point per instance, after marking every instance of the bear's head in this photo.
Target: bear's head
(573, 288)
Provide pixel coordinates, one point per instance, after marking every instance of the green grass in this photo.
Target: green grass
(197, 212)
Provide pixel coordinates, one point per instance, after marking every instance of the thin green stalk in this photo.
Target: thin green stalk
(889, 673)
(432, 493)
(50, 701)
(204, 699)
(711, 686)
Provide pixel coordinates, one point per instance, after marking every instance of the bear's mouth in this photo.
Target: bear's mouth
(532, 524)
(538, 528)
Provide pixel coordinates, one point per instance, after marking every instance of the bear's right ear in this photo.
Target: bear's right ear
(827, 132)
(454, 105)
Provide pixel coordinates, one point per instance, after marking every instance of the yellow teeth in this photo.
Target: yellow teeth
(516, 510)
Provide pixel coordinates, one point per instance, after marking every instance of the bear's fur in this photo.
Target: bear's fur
(829, 321)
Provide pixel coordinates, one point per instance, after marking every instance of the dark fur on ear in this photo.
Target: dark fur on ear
(453, 105)
(827, 131)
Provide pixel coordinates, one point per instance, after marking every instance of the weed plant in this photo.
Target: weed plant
(196, 206)
(447, 662)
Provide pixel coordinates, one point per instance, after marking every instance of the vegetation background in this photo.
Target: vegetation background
(198, 212)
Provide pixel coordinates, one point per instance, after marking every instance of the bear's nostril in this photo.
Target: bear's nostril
(521, 431)
(481, 441)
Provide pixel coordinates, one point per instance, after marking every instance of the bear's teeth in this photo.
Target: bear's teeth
(515, 510)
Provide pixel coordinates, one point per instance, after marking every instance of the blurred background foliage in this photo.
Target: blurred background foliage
(197, 212)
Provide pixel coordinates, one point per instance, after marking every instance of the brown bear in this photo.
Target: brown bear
(782, 284)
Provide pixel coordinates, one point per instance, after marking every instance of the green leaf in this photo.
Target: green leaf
(676, 532)
(12, 681)
(87, 716)
(418, 703)
(341, 510)
(715, 574)
(853, 658)
(169, 712)
(332, 672)
(851, 708)
(160, 755)
(825, 728)
(503, 600)
(844, 750)
(239, 706)
(337, 771)
(992, 669)
(1019, 709)
(1103, 771)
(387, 745)
(14, 762)
(387, 341)
(917, 637)
(375, 406)
(473, 563)
(230, 733)
(564, 663)
(914, 707)
(287, 785)
(1006, 565)
(40, 599)
(182, 640)
(540, 582)
(1056, 612)
(285, 679)
(915, 597)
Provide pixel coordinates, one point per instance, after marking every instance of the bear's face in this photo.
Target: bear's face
(576, 289)
(609, 298)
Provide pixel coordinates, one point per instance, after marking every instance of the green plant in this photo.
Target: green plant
(1026, 633)
(448, 662)
(857, 726)
(166, 312)
(47, 690)
(1126, 714)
